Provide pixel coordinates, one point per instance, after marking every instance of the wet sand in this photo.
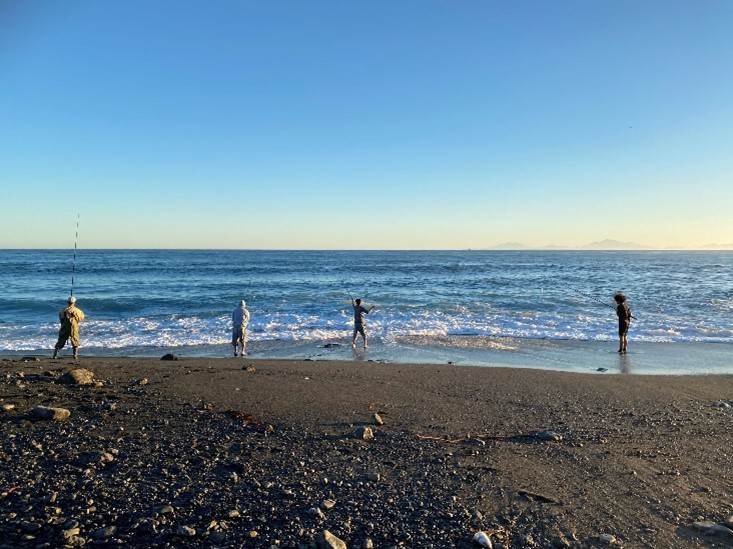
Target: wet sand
(462, 449)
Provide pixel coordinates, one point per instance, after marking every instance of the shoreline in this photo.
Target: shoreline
(580, 356)
(245, 452)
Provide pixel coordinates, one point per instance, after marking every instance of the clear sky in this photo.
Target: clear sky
(413, 124)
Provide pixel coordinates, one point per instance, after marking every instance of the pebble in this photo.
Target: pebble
(78, 376)
(364, 433)
(608, 539)
(549, 436)
(326, 540)
(185, 532)
(51, 414)
(482, 539)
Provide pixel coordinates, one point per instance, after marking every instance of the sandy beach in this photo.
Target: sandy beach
(203, 452)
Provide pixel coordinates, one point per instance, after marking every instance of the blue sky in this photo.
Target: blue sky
(350, 125)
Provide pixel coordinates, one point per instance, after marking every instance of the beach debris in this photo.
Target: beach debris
(51, 414)
(364, 433)
(169, 356)
(142, 381)
(249, 419)
(249, 368)
(601, 369)
(7, 407)
(482, 539)
(608, 539)
(30, 359)
(377, 419)
(78, 376)
(721, 404)
(326, 540)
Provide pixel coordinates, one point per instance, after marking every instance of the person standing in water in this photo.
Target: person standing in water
(624, 319)
(240, 319)
(70, 318)
(359, 325)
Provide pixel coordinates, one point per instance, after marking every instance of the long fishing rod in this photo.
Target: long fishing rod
(591, 297)
(73, 266)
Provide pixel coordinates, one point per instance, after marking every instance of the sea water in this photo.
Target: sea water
(542, 309)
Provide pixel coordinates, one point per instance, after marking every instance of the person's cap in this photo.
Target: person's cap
(72, 299)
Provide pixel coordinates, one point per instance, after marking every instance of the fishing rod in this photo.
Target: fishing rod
(73, 266)
(591, 297)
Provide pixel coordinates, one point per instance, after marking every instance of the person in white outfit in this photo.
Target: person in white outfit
(240, 319)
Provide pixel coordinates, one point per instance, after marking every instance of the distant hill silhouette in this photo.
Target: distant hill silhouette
(614, 245)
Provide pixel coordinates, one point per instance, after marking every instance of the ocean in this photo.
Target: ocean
(537, 309)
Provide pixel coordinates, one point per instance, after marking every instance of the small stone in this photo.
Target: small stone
(364, 433)
(51, 414)
(549, 436)
(368, 544)
(252, 534)
(317, 512)
(104, 533)
(374, 477)
(70, 533)
(377, 419)
(185, 532)
(608, 539)
(327, 504)
(8, 407)
(142, 381)
(712, 528)
(169, 356)
(78, 376)
(326, 540)
(482, 539)
(216, 538)
(30, 527)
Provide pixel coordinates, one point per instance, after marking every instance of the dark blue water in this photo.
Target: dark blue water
(144, 301)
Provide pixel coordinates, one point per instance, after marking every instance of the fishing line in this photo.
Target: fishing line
(590, 297)
(73, 266)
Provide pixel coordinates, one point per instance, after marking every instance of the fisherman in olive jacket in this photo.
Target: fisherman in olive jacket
(70, 317)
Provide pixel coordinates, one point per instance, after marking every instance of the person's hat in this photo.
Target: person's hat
(72, 299)
(243, 303)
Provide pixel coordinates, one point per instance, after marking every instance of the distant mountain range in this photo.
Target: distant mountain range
(607, 244)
